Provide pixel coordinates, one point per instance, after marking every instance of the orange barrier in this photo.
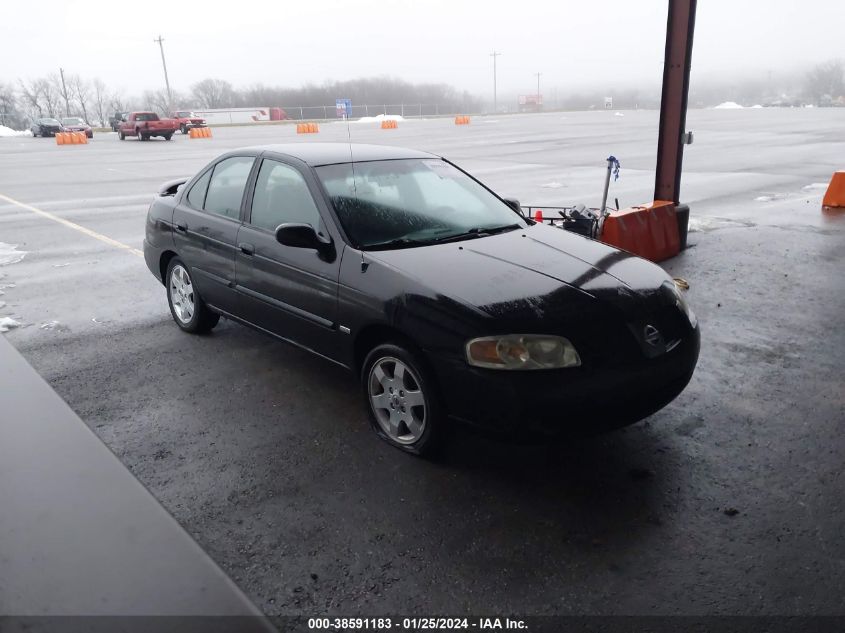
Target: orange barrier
(390, 124)
(71, 138)
(650, 231)
(307, 128)
(835, 195)
(461, 120)
(199, 132)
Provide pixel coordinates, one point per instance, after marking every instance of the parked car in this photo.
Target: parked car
(188, 120)
(441, 296)
(145, 125)
(45, 127)
(75, 124)
(115, 119)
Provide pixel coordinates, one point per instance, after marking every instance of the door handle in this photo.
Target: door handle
(246, 249)
(182, 228)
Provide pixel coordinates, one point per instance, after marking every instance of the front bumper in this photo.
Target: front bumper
(565, 402)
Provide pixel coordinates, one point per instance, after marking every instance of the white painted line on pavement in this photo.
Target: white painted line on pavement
(76, 227)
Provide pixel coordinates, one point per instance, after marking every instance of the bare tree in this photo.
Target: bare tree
(213, 93)
(100, 99)
(156, 101)
(50, 94)
(826, 82)
(80, 92)
(8, 105)
(31, 94)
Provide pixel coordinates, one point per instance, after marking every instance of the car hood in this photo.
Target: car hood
(533, 275)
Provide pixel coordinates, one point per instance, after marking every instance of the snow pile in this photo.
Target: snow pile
(7, 323)
(619, 114)
(756, 106)
(380, 118)
(9, 254)
(729, 105)
(8, 132)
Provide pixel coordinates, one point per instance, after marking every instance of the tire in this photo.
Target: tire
(34, 134)
(184, 129)
(140, 136)
(90, 135)
(411, 416)
(167, 137)
(121, 136)
(186, 306)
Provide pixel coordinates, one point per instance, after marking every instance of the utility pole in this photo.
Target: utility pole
(64, 91)
(166, 80)
(494, 55)
(538, 90)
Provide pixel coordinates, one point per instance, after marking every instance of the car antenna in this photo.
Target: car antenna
(364, 264)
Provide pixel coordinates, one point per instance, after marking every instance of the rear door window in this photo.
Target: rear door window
(226, 187)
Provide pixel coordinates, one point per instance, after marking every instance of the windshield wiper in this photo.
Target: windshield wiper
(477, 232)
(400, 242)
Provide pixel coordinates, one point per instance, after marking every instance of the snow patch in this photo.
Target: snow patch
(815, 186)
(7, 132)
(9, 254)
(729, 105)
(552, 185)
(756, 106)
(49, 325)
(7, 323)
(381, 117)
(619, 114)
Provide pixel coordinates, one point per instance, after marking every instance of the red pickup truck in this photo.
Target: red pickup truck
(145, 125)
(188, 120)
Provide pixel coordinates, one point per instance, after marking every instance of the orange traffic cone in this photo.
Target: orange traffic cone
(835, 195)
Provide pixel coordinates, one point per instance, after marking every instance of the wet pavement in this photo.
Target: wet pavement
(731, 500)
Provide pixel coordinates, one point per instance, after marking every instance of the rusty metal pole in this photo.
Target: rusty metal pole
(673, 106)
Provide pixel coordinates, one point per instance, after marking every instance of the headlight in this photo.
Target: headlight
(522, 351)
(681, 302)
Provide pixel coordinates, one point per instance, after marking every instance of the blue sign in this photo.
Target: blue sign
(344, 108)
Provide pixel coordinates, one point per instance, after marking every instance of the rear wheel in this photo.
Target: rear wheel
(121, 136)
(187, 307)
(184, 129)
(402, 402)
(167, 137)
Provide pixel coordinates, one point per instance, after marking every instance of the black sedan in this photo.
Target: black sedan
(45, 127)
(445, 300)
(75, 124)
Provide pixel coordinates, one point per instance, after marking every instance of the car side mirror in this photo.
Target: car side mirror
(513, 203)
(299, 235)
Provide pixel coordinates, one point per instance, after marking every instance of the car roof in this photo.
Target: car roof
(316, 154)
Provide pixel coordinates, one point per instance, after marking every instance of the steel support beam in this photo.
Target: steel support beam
(673, 105)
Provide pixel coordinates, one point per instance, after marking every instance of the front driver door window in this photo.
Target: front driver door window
(282, 197)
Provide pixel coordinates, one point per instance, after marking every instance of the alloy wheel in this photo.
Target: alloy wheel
(182, 294)
(397, 399)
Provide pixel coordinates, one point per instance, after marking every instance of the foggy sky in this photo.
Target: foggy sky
(573, 44)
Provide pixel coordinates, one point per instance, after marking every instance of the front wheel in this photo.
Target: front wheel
(186, 306)
(402, 401)
(121, 136)
(184, 129)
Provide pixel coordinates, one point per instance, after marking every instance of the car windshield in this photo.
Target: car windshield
(72, 121)
(49, 122)
(184, 115)
(146, 116)
(412, 202)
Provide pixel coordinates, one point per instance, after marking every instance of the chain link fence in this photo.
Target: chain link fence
(406, 110)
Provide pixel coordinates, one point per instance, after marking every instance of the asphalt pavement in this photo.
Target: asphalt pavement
(729, 501)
